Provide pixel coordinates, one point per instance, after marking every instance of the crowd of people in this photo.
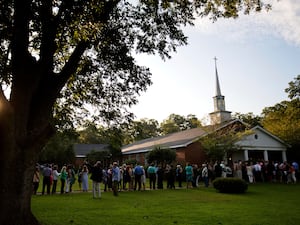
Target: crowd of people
(131, 177)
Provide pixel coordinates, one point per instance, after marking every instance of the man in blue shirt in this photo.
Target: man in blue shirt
(115, 178)
(47, 172)
(138, 172)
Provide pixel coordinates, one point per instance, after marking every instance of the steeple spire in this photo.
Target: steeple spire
(218, 89)
(220, 114)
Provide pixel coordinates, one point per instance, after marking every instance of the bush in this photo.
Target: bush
(230, 185)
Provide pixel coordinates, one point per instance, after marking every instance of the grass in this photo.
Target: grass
(262, 204)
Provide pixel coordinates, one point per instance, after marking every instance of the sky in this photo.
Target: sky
(258, 55)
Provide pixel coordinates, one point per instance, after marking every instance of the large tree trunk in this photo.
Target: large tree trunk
(15, 195)
(18, 156)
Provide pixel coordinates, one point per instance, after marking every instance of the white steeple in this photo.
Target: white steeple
(220, 114)
(218, 89)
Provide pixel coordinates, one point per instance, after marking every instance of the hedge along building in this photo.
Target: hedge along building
(258, 144)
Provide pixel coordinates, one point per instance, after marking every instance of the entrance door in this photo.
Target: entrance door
(255, 156)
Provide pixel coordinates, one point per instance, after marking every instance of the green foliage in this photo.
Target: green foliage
(91, 135)
(142, 129)
(249, 118)
(102, 156)
(218, 144)
(112, 136)
(59, 149)
(175, 123)
(230, 185)
(283, 118)
(67, 60)
(294, 88)
(161, 156)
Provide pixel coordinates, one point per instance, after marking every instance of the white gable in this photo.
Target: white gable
(260, 139)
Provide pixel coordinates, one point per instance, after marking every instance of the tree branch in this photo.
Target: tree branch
(49, 27)
(72, 65)
(20, 39)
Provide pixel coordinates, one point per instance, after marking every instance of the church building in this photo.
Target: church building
(258, 144)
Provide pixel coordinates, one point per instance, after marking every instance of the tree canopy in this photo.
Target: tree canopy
(249, 118)
(141, 129)
(223, 143)
(294, 88)
(175, 123)
(283, 119)
(161, 156)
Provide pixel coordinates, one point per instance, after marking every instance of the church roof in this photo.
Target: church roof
(186, 137)
(81, 150)
(173, 140)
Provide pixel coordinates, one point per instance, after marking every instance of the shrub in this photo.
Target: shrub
(230, 185)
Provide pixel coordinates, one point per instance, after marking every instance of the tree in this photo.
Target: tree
(142, 129)
(222, 143)
(249, 118)
(112, 136)
(58, 56)
(59, 149)
(283, 118)
(175, 123)
(90, 135)
(103, 156)
(294, 88)
(161, 156)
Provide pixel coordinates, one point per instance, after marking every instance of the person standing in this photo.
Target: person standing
(63, 178)
(36, 179)
(189, 175)
(152, 176)
(46, 179)
(205, 175)
(138, 172)
(179, 171)
(84, 178)
(115, 178)
(109, 177)
(70, 178)
(218, 169)
(55, 175)
(160, 177)
(79, 175)
(170, 177)
(296, 167)
(96, 177)
(143, 179)
(250, 169)
(126, 177)
(237, 168)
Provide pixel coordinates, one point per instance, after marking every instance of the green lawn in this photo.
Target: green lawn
(262, 204)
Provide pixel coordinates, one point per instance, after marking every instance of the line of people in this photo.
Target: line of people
(129, 177)
(50, 175)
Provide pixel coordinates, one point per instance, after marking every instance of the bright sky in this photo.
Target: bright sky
(258, 55)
